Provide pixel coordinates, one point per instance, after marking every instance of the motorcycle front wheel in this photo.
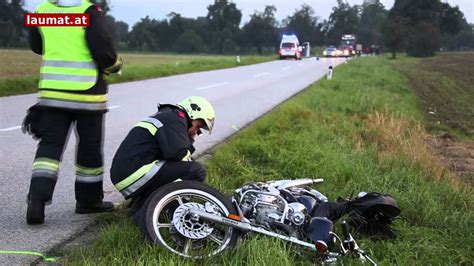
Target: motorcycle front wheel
(169, 224)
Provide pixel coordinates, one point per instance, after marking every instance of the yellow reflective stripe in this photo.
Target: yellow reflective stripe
(65, 85)
(187, 157)
(89, 171)
(73, 96)
(135, 176)
(45, 159)
(148, 126)
(68, 71)
(46, 164)
(132, 188)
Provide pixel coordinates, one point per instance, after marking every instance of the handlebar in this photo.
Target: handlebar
(349, 242)
(318, 180)
(345, 231)
(351, 245)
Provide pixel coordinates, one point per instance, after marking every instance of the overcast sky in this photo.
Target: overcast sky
(132, 11)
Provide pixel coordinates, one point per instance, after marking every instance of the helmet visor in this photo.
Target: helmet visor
(209, 124)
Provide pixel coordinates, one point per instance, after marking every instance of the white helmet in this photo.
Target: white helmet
(66, 3)
(198, 107)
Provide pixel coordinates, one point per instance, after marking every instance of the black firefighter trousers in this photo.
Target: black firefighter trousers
(169, 172)
(54, 127)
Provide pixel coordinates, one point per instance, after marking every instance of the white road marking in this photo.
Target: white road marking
(114, 107)
(212, 86)
(9, 128)
(261, 74)
(285, 68)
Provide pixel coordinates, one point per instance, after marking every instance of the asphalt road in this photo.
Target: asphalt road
(239, 95)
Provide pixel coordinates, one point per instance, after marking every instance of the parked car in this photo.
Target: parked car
(330, 52)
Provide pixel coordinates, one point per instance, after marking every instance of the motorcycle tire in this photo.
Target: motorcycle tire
(172, 200)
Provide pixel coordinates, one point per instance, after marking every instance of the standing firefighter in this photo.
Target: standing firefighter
(72, 91)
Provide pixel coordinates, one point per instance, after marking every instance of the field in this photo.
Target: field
(364, 130)
(444, 89)
(19, 71)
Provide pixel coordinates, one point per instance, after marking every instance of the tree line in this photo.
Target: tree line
(419, 28)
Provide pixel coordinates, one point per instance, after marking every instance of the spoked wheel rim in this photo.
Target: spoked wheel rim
(207, 240)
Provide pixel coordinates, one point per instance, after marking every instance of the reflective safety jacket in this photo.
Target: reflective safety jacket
(71, 72)
(154, 140)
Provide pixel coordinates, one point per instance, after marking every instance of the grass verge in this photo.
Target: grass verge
(21, 76)
(362, 131)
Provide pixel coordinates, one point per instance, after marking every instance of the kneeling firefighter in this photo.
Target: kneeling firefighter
(158, 151)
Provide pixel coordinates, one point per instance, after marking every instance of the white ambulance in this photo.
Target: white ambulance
(289, 47)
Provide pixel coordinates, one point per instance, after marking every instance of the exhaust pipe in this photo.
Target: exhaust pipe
(245, 227)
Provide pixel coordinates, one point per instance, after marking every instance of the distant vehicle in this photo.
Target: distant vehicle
(289, 47)
(348, 45)
(330, 52)
(345, 51)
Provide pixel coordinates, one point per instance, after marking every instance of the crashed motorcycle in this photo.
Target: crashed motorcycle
(194, 220)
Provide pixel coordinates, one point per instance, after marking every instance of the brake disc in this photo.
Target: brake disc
(190, 225)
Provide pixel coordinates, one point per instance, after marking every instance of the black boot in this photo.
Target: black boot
(97, 207)
(40, 192)
(35, 212)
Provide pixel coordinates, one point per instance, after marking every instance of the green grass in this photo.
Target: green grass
(21, 76)
(362, 131)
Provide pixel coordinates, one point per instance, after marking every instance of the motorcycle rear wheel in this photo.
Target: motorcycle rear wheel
(168, 225)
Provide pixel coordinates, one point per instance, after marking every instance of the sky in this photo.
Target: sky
(131, 11)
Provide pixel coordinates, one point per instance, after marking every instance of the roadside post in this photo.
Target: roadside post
(238, 59)
(329, 75)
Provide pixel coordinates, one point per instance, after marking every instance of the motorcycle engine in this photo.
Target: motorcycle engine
(263, 206)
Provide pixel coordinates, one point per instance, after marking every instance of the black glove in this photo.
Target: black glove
(115, 68)
(30, 123)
